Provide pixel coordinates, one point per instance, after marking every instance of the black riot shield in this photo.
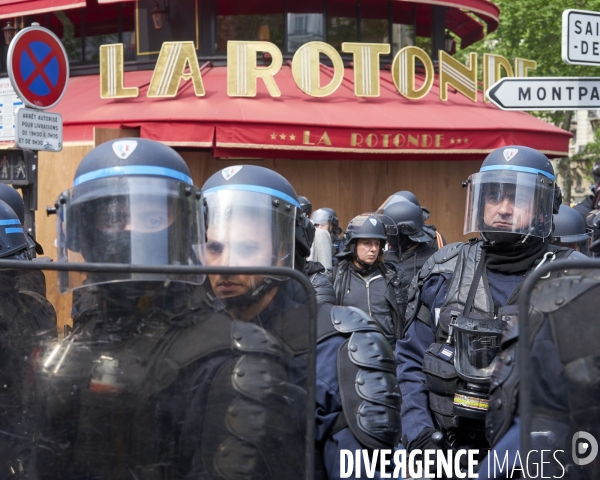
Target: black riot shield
(559, 355)
(165, 379)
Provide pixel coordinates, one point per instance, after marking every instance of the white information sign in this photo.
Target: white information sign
(39, 130)
(581, 37)
(9, 102)
(546, 93)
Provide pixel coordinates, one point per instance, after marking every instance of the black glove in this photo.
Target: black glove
(423, 441)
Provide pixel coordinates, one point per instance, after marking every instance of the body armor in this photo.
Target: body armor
(457, 405)
(366, 372)
(195, 394)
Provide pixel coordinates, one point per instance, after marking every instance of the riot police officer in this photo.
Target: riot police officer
(327, 219)
(444, 367)
(23, 323)
(438, 241)
(411, 247)
(34, 280)
(590, 202)
(108, 398)
(363, 279)
(305, 205)
(316, 272)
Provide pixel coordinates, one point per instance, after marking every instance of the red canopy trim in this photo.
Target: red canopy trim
(17, 8)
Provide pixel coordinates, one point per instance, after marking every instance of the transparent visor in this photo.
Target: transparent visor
(357, 222)
(248, 229)
(508, 201)
(129, 220)
(477, 349)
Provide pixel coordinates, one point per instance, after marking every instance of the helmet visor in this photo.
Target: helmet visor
(509, 201)
(248, 229)
(125, 220)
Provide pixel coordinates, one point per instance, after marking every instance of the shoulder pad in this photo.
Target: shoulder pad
(442, 261)
(352, 319)
(250, 338)
(371, 350)
(545, 297)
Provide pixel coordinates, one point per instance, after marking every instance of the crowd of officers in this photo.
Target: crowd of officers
(180, 375)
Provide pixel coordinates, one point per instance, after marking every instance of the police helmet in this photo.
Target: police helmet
(132, 202)
(14, 200)
(327, 216)
(12, 236)
(515, 191)
(9, 195)
(408, 218)
(569, 226)
(365, 226)
(305, 205)
(404, 196)
(251, 214)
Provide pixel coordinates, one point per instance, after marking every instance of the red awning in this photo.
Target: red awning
(295, 125)
(17, 8)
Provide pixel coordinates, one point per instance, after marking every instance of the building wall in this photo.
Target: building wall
(349, 187)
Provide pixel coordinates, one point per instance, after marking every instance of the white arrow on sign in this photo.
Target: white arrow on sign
(546, 93)
(581, 37)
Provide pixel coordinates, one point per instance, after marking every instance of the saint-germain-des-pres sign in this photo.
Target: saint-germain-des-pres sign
(178, 60)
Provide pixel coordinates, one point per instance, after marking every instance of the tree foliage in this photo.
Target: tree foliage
(532, 29)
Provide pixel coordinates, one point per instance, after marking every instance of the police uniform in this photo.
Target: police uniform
(460, 297)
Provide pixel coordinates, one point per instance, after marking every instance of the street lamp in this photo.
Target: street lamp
(158, 14)
(9, 33)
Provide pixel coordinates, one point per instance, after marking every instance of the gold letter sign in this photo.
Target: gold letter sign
(170, 68)
(242, 71)
(454, 73)
(366, 66)
(492, 71)
(306, 69)
(111, 73)
(403, 72)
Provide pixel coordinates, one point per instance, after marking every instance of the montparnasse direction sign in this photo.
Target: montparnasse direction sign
(581, 37)
(546, 93)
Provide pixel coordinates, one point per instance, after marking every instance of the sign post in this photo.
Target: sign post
(38, 68)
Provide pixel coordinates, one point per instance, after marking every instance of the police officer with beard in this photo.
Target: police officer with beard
(465, 295)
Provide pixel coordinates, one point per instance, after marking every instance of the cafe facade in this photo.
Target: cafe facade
(350, 100)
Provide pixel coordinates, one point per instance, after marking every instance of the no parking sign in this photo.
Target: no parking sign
(38, 67)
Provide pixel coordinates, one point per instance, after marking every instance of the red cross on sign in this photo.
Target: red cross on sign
(38, 67)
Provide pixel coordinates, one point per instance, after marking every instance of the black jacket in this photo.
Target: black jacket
(396, 293)
(321, 282)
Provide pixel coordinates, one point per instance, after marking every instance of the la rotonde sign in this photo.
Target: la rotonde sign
(178, 61)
